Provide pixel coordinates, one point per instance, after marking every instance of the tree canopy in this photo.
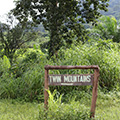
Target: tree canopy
(106, 28)
(63, 19)
(12, 37)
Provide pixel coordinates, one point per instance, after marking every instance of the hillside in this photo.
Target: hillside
(113, 9)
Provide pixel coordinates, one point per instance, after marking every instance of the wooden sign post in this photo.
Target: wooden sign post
(70, 80)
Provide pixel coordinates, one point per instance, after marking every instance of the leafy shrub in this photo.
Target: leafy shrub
(103, 53)
(60, 111)
(4, 64)
(25, 78)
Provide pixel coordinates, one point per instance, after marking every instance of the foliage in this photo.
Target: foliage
(25, 78)
(63, 19)
(61, 111)
(40, 42)
(18, 110)
(108, 107)
(103, 53)
(4, 64)
(106, 28)
(12, 37)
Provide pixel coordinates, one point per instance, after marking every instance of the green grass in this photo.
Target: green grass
(13, 110)
(107, 108)
(108, 113)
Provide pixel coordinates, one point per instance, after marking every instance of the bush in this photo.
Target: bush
(60, 111)
(25, 78)
(4, 64)
(105, 54)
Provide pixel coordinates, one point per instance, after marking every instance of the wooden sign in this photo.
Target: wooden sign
(69, 80)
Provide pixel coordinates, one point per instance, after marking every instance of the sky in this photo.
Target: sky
(5, 7)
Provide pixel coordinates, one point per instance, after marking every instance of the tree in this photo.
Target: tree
(107, 28)
(62, 18)
(12, 37)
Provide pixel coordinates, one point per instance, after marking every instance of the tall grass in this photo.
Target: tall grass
(60, 111)
(25, 78)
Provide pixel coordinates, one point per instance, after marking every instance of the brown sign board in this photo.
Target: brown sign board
(70, 80)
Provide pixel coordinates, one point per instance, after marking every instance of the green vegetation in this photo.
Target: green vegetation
(24, 81)
(13, 110)
(106, 28)
(12, 37)
(108, 107)
(24, 52)
(25, 78)
(63, 19)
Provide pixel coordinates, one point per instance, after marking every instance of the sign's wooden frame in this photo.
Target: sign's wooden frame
(95, 83)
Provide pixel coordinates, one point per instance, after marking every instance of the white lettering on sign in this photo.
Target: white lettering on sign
(66, 78)
(80, 78)
(69, 78)
(55, 79)
(66, 83)
(77, 78)
(50, 79)
(74, 78)
(88, 78)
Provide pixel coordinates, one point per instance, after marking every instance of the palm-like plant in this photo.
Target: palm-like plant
(107, 28)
